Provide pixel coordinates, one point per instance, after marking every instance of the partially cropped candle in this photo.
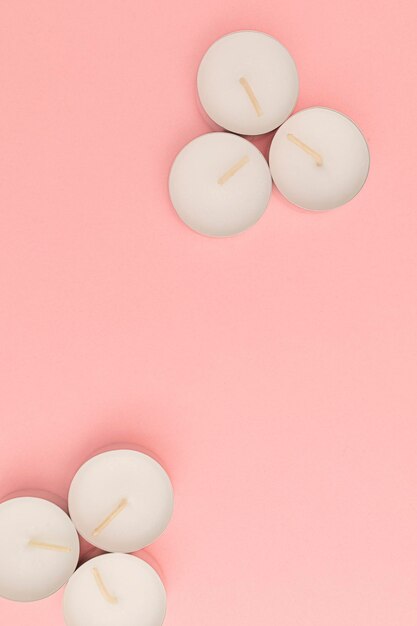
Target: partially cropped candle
(39, 549)
(319, 159)
(121, 500)
(220, 184)
(248, 82)
(115, 590)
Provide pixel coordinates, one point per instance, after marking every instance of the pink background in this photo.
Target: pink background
(274, 373)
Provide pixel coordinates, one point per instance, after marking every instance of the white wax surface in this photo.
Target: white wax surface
(140, 594)
(107, 479)
(270, 71)
(217, 209)
(342, 147)
(29, 573)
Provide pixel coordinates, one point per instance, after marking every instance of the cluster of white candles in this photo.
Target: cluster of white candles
(220, 183)
(119, 501)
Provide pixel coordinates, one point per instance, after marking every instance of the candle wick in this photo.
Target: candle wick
(102, 587)
(316, 156)
(48, 546)
(251, 95)
(232, 171)
(120, 507)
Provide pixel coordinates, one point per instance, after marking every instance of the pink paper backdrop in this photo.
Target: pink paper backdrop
(275, 372)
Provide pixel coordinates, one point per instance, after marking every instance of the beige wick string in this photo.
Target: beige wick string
(48, 546)
(232, 171)
(316, 156)
(251, 95)
(102, 587)
(120, 507)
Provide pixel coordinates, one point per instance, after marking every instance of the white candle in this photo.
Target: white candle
(121, 500)
(248, 82)
(39, 549)
(319, 159)
(220, 184)
(115, 590)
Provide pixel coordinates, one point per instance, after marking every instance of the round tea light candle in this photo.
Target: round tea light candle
(319, 159)
(39, 549)
(115, 590)
(220, 184)
(248, 82)
(121, 500)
